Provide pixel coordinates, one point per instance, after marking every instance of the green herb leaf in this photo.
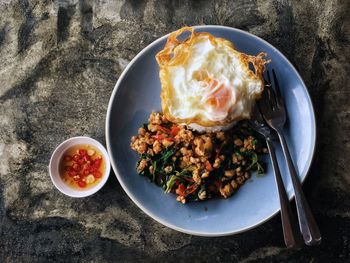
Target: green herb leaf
(184, 173)
(256, 165)
(154, 171)
(167, 154)
(254, 161)
(238, 152)
(260, 169)
(170, 184)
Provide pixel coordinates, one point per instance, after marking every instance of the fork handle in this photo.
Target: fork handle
(307, 223)
(290, 231)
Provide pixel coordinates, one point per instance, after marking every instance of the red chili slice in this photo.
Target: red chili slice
(174, 130)
(82, 184)
(180, 190)
(76, 157)
(76, 167)
(208, 166)
(97, 174)
(72, 173)
(163, 129)
(191, 189)
(97, 163)
(82, 152)
(87, 158)
(81, 161)
(93, 169)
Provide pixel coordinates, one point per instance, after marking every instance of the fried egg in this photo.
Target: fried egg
(206, 83)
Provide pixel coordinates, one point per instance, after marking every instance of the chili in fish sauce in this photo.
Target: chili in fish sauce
(82, 166)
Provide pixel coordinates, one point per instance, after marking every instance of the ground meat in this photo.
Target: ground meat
(157, 147)
(202, 195)
(229, 173)
(205, 164)
(142, 165)
(226, 191)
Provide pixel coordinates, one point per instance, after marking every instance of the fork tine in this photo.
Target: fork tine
(257, 114)
(268, 77)
(271, 94)
(279, 98)
(269, 99)
(265, 104)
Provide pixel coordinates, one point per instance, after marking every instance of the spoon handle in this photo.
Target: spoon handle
(291, 233)
(307, 223)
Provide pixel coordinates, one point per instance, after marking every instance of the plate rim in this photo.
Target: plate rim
(303, 175)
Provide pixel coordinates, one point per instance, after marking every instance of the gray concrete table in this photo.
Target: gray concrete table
(59, 61)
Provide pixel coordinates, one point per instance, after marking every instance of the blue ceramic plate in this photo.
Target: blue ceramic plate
(137, 93)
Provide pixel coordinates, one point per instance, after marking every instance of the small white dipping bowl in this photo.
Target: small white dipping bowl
(55, 162)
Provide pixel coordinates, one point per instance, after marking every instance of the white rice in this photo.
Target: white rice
(199, 128)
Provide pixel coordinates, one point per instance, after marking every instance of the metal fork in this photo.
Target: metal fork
(291, 234)
(273, 109)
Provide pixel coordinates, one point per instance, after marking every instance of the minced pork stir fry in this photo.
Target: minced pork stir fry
(196, 166)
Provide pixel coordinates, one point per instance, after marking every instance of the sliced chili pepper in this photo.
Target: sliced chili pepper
(208, 166)
(76, 167)
(82, 152)
(174, 130)
(97, 174)
(82, 184)
(76, 157)
(87, 158)
(180, 190)
(72, 173)
(93, 169)
(163, 129)
(191, 189)
(97, 163)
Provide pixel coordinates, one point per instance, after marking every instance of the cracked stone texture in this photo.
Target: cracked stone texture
(59, 61)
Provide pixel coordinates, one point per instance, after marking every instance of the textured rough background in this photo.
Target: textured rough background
(59, 61)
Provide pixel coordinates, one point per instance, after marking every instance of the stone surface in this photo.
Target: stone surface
(59, 61)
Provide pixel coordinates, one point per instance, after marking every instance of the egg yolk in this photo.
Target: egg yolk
(220, 96)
